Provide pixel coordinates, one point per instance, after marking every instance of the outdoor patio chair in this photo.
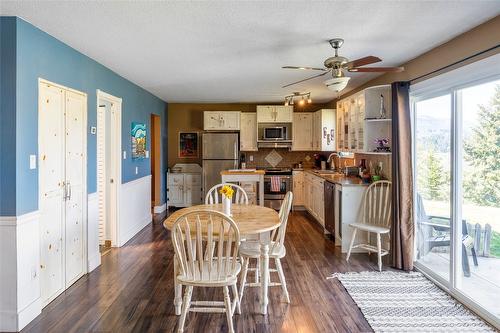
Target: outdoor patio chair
(435, 232)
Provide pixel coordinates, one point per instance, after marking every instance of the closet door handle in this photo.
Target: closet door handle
(69, 191)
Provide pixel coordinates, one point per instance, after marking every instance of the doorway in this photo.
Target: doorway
(108, 169)
(156, 164)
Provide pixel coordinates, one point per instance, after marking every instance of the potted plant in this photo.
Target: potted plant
(377, 172)
(227, 192)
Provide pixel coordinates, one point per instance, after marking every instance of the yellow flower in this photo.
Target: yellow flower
(227, 191)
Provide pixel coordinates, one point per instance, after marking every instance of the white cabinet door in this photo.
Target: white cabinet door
(302, 131)
(316, 131)
(248, 131)
(266, 114)
(192, 189)
(175, 189)
(211, 120)
(283, 114)
(230, 120)
(298, 188)
(327, 129)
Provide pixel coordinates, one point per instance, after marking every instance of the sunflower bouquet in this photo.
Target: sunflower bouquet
(227, 191)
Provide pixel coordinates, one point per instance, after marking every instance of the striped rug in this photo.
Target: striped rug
(408, 302)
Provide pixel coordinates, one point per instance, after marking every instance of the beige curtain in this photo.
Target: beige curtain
(402, 231)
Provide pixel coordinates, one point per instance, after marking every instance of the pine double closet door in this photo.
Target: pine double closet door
(62, 170)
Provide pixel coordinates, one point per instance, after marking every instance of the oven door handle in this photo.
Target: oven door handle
(281, 176)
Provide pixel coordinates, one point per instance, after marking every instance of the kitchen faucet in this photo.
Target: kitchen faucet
(332, 161)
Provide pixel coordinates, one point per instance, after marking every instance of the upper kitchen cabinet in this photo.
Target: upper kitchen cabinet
(221, 120)
(302, 131)
(323, 138)
(274, 114)
(364, 118)
(248, 131)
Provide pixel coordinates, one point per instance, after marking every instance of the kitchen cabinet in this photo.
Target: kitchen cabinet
(314, 197)
(250, 189)
(184, 189)
(358, 120)
(324, 128)
(274, 114)
(298, 188)
(302, 131)
(221, 120)
(248, 131)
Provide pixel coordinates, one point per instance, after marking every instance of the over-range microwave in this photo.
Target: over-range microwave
(274, 132)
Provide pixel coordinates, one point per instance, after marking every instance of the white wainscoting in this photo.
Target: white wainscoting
(135, 208)
(19, 277)
(94, 256)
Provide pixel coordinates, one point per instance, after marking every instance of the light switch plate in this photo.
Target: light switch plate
(147, 153)
(251, 158)
(124, 154)
(32, 162)
(136, 170)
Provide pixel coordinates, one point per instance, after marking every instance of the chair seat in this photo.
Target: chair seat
(251, 249)
(370, 227)
(208, 275)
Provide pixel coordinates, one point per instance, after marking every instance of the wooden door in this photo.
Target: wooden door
(283, 114)
(51, 190)
(62, 197)
(75, 163)
(230, 120)
(298, 188)
(266, 114)
(302, 131)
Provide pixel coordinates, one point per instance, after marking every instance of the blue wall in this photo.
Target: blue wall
(7, 116)
(39, 55)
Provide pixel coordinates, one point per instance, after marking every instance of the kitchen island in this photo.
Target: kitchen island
(244, 176)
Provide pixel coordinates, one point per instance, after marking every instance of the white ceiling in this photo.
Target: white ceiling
(233, 51)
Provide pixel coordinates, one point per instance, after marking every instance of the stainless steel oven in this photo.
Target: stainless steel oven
(273, 199)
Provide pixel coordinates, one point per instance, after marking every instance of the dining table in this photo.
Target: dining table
(252, 220)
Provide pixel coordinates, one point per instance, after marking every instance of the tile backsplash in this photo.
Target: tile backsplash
(289, 158)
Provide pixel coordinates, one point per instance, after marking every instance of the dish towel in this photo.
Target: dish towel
(275, 184)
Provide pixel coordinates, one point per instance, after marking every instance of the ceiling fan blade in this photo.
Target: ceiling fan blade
(361, 62)
(376, 69)
(309, 78)
(305, 68)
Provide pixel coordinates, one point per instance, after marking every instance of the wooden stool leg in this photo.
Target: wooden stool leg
(244, 277)
(379, 252)
(229, 312)
(351, 243)
(185, 308)
(282, 279)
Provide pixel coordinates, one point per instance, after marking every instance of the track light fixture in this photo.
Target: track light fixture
(304, 98)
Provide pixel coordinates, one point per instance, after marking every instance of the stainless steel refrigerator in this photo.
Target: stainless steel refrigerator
(220, 152)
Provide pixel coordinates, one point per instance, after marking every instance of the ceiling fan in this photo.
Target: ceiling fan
(337, 64)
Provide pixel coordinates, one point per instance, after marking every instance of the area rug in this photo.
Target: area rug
(408, 302)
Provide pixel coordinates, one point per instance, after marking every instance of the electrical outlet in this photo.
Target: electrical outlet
(93, 130)
(251, 158)
(136, 170)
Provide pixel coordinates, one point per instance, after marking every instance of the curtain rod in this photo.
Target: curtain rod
(456, 63)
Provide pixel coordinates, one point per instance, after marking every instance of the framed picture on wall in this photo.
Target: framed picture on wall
(138, 133)
(188, 145)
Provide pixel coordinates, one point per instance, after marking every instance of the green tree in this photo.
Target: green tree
(432, 178)
(482, 152)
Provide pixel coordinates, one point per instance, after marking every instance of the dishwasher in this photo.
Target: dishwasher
(329, 192)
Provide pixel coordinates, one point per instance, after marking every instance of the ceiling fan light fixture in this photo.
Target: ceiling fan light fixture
(337, 83)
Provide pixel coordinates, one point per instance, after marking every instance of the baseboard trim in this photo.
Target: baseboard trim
(94, 262)
(160, 209)
(133, 231)
(14, 322)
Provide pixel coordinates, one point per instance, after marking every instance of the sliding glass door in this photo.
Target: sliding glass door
(457, 191)
(432, 175)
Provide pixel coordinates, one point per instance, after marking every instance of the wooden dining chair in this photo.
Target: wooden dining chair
(214, 197)
(251, 250)
(193, 234)
(375, 218)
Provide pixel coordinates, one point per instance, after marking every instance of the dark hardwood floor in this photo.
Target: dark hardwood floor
(132, 291)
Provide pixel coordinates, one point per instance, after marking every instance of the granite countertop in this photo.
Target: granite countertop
(242, 172)
(337, 178)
